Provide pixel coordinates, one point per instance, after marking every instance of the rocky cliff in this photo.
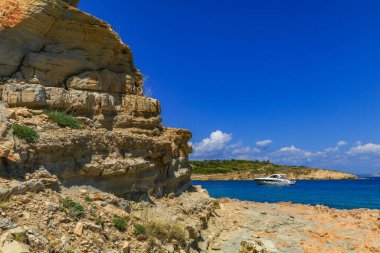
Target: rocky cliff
(54, 57)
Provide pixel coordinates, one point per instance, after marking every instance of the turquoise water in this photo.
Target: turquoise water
(341, 194)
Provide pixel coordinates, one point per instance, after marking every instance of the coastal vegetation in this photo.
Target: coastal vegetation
(63, 119)
(120, 223)
(75, 209)
(25, 133)
(166, 231)
(227, 166)
(247, 170)
(139, 229)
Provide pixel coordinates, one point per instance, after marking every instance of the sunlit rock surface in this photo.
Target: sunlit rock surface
(54, 56)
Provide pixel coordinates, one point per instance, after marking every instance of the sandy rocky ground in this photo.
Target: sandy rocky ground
(286, 227)
(33, 218)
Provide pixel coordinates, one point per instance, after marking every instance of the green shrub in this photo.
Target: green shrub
(139, 229)
(120, 223)
(24, 132)
(75, 209)
(88, 200)
(63, 119)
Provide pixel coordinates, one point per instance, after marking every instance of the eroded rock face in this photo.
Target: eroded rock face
(6, 136)
(54, 56)
(54, 41)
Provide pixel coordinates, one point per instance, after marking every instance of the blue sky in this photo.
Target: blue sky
(296, 82)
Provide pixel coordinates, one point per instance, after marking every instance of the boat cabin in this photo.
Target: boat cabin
(278, 176)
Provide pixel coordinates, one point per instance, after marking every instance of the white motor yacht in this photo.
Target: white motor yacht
(275, 179)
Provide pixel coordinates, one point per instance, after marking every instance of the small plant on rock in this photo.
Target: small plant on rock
(5, 205)
(75, 209)
(88, 200)
(120, 223)
(63, 119)
(21, 237)
(24, 133)
(139, 229)
(99, 221)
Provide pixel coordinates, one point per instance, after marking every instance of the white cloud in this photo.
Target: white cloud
(341, 143)
(264, 143)
(245, 151)
(291, 156)
(335, 149)
(216, 142)
(369, 148)
(291, 149)
(332, 149)
(364, 157)
(359, 158)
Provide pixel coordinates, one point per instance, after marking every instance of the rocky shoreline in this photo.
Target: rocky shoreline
(287, 227)
(84, 219)
(316, 174)
(87, 166)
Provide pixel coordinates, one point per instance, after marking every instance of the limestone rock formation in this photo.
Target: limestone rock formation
(46, 221)
(56, 57)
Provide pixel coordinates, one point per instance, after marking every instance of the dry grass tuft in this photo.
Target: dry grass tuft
(166, 232)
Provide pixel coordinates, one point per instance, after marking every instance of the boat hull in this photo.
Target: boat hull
(274, 182)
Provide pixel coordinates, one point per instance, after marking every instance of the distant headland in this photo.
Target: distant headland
(247, 170)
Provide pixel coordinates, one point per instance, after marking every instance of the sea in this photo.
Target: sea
(340, 194)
